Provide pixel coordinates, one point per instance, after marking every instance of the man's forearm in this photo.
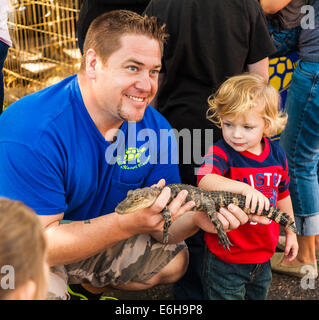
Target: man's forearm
(74, 241)
(71, 241)
(181, 229)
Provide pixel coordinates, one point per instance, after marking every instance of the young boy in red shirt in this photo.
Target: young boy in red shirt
(245, 161)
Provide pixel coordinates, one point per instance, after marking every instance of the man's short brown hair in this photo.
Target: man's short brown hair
(106, 30)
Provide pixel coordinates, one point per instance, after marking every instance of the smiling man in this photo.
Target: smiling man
(131, 74)
(53, 151)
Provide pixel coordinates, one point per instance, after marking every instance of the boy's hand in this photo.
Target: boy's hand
(254, 198)
(291, 248)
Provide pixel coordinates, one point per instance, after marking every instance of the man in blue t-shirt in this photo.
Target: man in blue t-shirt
(73, 150)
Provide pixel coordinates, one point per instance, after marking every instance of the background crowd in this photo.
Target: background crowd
(43, 166)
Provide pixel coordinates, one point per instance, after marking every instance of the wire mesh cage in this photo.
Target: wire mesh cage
(45, 48)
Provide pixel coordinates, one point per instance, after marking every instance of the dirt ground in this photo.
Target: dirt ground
(282, 288)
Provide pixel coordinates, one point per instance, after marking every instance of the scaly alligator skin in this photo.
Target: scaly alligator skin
(207, 201)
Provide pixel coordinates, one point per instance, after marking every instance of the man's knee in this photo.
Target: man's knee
(173, 271)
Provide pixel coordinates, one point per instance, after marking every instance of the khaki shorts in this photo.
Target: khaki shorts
(136, 259)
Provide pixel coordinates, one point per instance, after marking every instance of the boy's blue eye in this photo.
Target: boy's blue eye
(226, 124)
(248, 127)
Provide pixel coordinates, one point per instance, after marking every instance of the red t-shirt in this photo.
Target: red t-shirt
(268, 173)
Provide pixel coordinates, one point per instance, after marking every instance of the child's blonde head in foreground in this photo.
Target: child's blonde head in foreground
(243, 93)
(23, 248)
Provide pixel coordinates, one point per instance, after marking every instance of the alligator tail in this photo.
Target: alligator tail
(282, 218)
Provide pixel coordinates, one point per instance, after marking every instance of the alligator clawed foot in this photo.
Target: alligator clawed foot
(223, 239)
(167, 223)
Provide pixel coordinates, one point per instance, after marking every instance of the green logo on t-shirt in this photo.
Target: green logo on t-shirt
(134, 158)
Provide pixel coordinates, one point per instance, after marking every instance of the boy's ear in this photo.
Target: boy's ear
(267, 131)
(24, 292)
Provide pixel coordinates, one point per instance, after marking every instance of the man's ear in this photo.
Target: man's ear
(90, 63)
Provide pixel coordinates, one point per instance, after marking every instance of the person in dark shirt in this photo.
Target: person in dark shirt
(284, 18)
(90, 9)
(209, 42)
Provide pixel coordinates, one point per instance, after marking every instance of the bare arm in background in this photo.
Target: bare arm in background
(273, 6)
(260, 67)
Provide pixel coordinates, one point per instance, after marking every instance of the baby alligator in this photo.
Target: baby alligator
(207, 201)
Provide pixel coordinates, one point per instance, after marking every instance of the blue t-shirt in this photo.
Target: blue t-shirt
(54, 159)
